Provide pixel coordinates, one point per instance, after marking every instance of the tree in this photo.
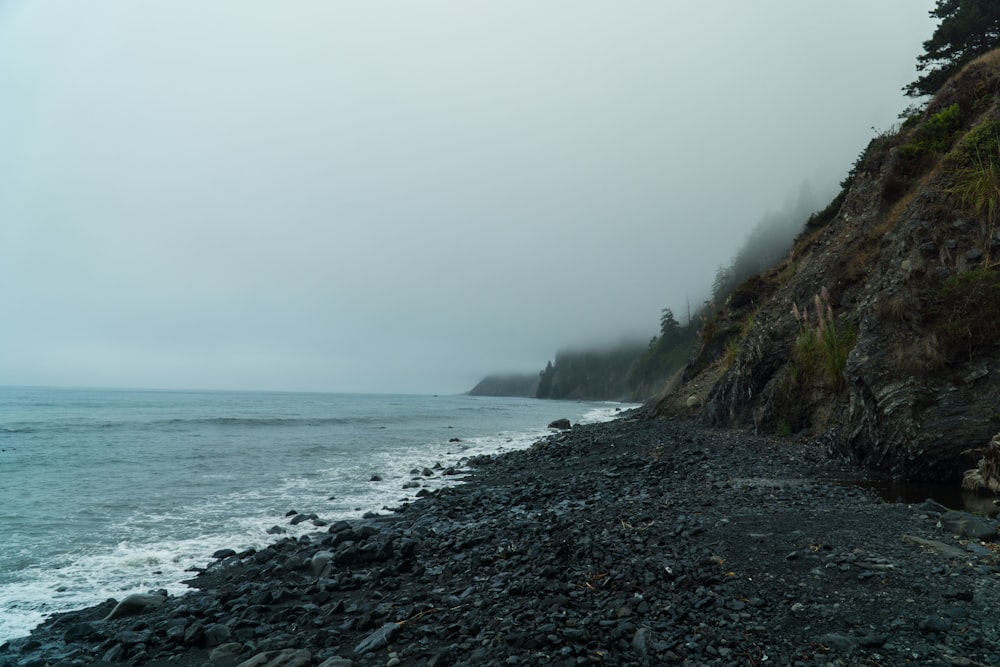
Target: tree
(669, 327)
(968, 29)
(545, 382)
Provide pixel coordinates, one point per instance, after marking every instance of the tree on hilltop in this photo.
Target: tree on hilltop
(968, 29)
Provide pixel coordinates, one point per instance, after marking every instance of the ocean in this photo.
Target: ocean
(104, 493)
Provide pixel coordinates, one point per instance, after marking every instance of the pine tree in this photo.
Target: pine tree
(968, 29)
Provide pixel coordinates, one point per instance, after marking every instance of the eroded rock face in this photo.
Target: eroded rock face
(911, 271)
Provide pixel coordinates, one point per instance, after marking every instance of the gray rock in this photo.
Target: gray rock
(320, 562)
(135, 604)
(176, 629)
(561, 424)
(931, 506)
(217, 634)
(114, 654)
(940, 548)
(131, 637)
(224, 651)
(935, 624)
(287, 658)
(337, 661)
(79, 631)
(377, 639)
(838, 642)
(640, 642)
(964, 524)
(194, 633)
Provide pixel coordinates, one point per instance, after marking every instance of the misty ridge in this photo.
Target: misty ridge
(636, 370)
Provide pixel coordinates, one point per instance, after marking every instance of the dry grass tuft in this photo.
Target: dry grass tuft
(986, 475)
(919, 356)
(860, 262)
(892, 309)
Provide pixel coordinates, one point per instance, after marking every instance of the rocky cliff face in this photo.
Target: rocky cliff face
(507, 385)
(880, 330)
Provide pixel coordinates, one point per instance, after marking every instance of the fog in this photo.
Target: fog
(402, 197)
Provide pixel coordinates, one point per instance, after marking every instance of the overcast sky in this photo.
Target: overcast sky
(402, 196)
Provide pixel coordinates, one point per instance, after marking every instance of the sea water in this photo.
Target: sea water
(104, 493)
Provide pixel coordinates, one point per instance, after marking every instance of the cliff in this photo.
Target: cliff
(878, 332)
(506, 385)
(596, 375)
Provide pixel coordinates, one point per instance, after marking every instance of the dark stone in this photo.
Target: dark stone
(561, 424)
(78, 631)
(135, 604)
(931, 506)
(133, 637)
(194, 633)
(935, 624)
(965, 524)
(217, 634)
(224, 553)
(642, 542)
(838, 642)
(377, 639)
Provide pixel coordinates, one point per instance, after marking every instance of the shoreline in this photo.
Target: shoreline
(144, 520)
(625, 542)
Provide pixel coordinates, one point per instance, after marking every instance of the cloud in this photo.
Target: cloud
(341, 196)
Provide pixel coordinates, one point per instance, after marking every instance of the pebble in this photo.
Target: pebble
(585, 549)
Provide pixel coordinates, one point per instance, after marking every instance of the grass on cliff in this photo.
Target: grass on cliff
(822, 345)
(974, 167)
(963, 312)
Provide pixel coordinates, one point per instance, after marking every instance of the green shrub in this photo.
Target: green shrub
(936, 135)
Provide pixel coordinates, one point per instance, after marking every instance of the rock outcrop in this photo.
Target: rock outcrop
(525, 385)
(877, 332)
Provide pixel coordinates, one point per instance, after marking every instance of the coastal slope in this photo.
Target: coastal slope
(877, 331)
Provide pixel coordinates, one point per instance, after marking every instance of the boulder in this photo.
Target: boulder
(320, 562)
(561, 424)
(378, 639)
(287, 658)
(964, 524)
(135, 604)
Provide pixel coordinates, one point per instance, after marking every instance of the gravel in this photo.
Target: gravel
(635, 542)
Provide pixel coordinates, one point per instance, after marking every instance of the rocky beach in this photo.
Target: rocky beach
(633, 542)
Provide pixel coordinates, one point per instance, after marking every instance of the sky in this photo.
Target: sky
(403, 196)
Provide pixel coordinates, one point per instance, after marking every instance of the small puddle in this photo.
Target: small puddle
(951, 496)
